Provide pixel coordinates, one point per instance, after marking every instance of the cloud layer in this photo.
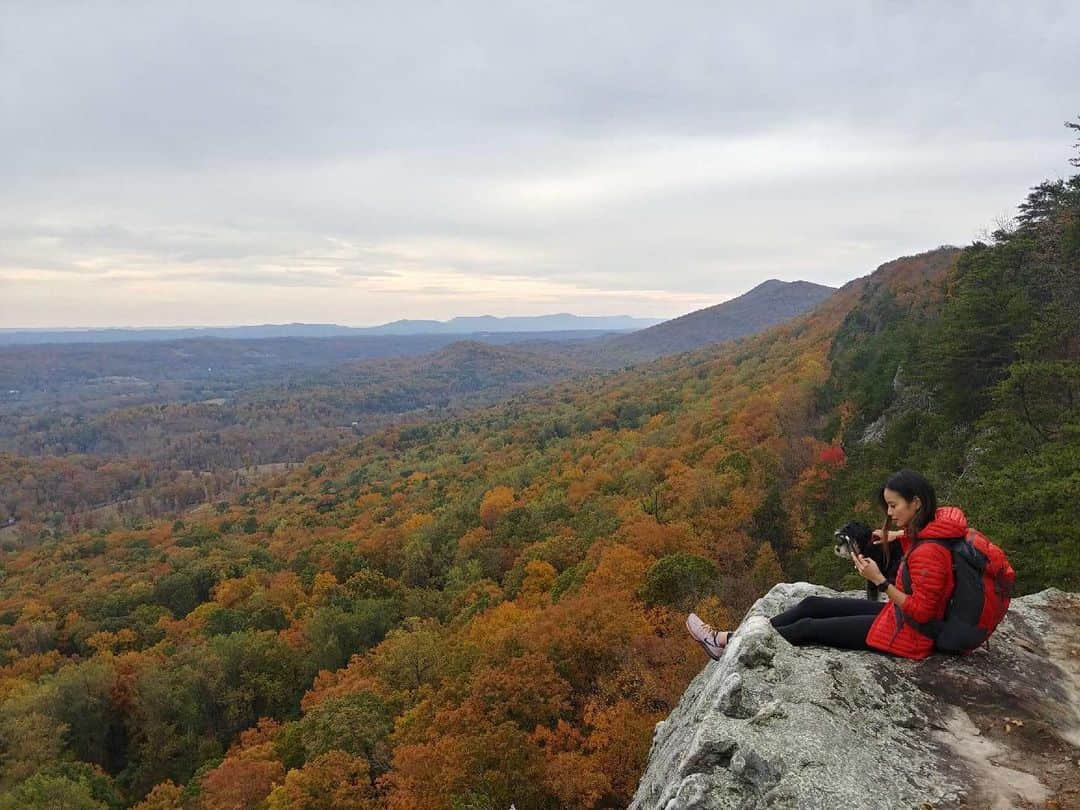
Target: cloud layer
(264, 162)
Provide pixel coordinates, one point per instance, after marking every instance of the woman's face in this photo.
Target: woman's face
(901, 511)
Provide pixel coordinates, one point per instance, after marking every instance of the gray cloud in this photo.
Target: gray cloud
(263, 278)
(691, 149)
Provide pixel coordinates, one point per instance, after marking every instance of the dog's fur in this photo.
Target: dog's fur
(859, 537)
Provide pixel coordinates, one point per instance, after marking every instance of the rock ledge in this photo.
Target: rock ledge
(778, 726)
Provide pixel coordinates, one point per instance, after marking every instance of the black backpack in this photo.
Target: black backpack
(984, 582)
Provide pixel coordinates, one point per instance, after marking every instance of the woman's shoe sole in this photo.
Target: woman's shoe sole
(709, 652)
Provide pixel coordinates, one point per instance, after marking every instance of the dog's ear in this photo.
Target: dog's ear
(859, 532)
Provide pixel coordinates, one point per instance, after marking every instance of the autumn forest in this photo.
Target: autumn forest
(476, 598)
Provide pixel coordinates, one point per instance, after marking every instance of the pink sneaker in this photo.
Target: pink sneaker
(712, 641)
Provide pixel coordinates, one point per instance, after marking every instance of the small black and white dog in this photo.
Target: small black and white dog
(859, 537)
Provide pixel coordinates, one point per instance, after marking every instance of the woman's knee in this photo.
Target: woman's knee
(812, 605)
(796, 632)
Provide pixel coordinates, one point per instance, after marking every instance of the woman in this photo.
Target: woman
(862, 624)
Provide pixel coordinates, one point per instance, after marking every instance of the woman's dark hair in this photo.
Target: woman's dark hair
(909, 485)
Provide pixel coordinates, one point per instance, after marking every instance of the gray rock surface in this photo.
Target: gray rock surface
(778, 726)
(906, 399)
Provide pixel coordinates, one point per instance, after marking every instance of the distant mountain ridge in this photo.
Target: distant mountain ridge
(561, 322)
(770, 303)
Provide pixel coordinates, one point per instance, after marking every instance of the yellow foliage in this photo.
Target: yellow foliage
(643, 534)
(416, 522)
(368, 500)
(331, 781)
(499, 630)
(232, 592)
(496, 503)
(620, 568)
(620, 743)
(164, 796)
(106, 641)
(536, 587)
(285, 591)
(473, 539)
(323, 588)
(34, 610)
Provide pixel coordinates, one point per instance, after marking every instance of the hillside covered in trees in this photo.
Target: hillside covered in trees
(488, 610)
(769, 303)
(164, 455)
(102, 435)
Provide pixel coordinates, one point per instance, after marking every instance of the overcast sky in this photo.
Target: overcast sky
(168, 163)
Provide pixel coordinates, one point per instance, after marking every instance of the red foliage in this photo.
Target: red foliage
(832, 455)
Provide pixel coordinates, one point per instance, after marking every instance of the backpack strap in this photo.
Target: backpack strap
(931, 629)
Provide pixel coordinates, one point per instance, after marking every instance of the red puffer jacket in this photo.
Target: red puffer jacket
(932, 582)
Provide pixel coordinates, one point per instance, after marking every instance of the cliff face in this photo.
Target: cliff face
(773, 725)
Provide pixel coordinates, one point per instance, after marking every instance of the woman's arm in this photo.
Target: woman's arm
(894, 536)
(896, 595)
(869, 571)
(930, 572)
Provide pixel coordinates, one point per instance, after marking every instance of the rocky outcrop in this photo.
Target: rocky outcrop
(778, 726)
(907, 399)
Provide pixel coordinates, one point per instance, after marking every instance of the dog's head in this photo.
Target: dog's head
(856, 537)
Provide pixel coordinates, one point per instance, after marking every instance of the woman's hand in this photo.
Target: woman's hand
(892, 537)
(867, 568)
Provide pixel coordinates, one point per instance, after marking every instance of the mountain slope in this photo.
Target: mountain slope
(766, 305)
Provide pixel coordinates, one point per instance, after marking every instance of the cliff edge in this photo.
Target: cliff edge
(777, 726)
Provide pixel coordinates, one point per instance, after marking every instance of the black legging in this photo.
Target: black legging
(834, 622)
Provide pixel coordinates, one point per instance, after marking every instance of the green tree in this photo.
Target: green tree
(65, 786)
(358, 723)
(51, 793)
(678, 580)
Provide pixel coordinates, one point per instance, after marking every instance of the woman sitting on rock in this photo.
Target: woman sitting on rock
(862, 624)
